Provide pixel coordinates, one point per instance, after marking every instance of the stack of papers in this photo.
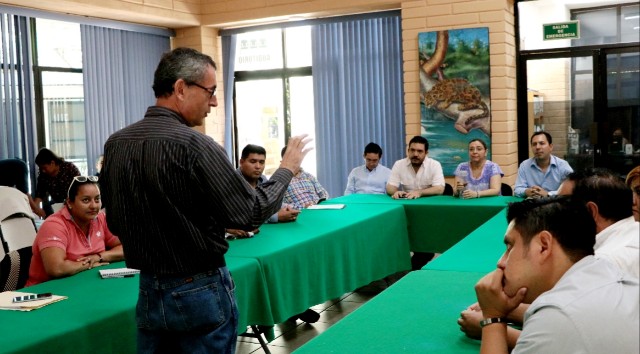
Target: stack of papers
(118, 273)
(6, 301)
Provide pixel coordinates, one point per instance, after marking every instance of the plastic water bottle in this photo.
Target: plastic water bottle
(463, 176)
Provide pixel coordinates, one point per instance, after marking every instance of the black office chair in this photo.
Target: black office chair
(506, 190)
(14, 173)
(448, 189)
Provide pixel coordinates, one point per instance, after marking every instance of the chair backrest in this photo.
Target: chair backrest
(448, 189)
(17, 232)
(17, 229)
(14, 269)
(506, 190)
(13, 201)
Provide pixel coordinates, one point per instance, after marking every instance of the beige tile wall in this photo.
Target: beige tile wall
(552, 79)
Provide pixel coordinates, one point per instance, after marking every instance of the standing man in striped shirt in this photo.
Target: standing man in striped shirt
(169, 192)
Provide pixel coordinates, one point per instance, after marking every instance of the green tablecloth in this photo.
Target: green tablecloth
(478, 252)
(415, 315)
(327, 253)
(99, 314)
(437, 223)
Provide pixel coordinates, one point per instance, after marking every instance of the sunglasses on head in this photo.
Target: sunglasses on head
(81, 179)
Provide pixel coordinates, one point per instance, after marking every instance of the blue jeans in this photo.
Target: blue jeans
(187, 314)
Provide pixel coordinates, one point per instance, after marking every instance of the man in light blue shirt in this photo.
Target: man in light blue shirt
(370, 178)
(542, 174)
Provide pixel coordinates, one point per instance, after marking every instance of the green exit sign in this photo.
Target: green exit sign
(563, 30)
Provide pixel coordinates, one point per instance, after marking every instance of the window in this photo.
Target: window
(274, 91)
(598, 25)
(617, 24)
(59, 90)
(15, 102)
(589, 85)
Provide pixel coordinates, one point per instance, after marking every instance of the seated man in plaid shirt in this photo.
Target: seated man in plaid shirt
(304, 190)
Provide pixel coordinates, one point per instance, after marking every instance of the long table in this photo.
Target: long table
(415, 315)
(326, 253)
(280, 272)
(478, 252)
(99, 314)
(436, 223)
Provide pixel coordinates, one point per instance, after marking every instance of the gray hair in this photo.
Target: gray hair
(181, 63)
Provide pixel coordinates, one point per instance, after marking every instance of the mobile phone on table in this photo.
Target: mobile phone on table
(32, 297)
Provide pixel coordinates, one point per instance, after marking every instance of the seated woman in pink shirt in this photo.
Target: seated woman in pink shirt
(75, 238)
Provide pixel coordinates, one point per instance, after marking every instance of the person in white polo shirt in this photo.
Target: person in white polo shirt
(418, 175)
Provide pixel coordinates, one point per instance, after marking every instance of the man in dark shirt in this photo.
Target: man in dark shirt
(169, 192)
(251, 167)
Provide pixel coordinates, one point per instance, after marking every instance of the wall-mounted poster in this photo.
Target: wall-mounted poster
(454, 92)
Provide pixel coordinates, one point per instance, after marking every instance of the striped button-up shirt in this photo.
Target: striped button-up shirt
(170, 191)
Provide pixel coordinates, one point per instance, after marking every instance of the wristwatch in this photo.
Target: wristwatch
(492, 320)
(100, 255)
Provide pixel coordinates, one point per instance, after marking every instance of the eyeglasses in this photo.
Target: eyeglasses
(212, 92)
(81, 179)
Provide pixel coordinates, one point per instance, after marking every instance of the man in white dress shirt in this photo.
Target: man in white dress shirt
(417, 175)
(370, 178)
(414, 177)
(609, 201)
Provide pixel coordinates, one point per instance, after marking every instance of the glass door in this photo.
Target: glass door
(560, 101)
(620, 143)
(589, 101)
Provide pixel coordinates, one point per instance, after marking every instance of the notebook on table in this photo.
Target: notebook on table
(118, 273)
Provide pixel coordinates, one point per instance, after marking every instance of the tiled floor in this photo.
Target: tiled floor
(289, 336)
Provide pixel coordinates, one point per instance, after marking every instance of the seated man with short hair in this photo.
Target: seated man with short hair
(370, 178)
(579, 303)
(252, 163)
(251, 167)
(541, 175)
(418, 175)
(609, 203)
